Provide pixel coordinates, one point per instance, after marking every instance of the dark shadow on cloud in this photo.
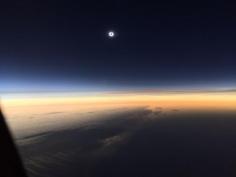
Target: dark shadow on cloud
(175, 110)
(38, 135)
(138, 143)
(189, 144)
(54, 113)
(49, 113)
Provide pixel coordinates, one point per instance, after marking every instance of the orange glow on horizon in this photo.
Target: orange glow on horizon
(221, 100)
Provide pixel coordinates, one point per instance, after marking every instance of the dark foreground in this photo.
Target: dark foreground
(138, 143)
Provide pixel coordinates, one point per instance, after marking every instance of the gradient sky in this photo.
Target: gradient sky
(62, 45)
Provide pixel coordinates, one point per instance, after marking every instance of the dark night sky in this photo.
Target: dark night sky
(56, 45)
